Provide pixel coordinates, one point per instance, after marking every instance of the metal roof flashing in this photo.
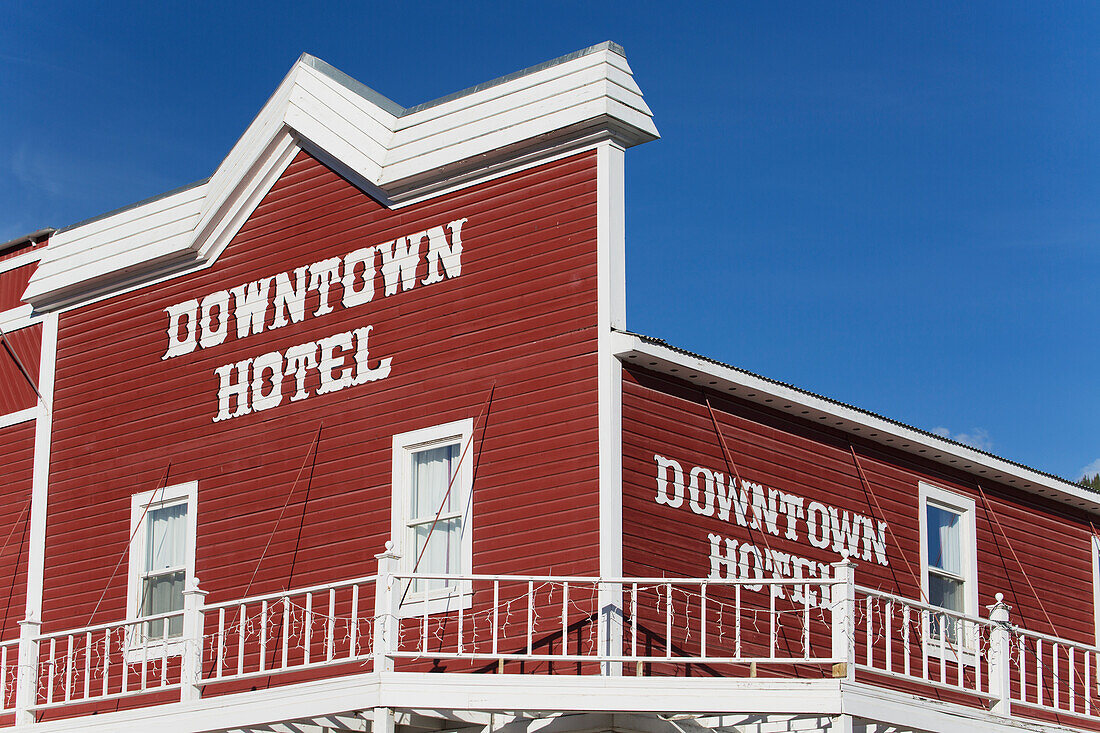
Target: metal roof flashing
(657, 355)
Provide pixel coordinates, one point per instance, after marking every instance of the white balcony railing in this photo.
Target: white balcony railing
(810, 628)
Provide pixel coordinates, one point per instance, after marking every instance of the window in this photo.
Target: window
(162, 557)
(431, 525)
(949, 571)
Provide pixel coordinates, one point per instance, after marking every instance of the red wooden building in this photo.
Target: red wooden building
(352, 436)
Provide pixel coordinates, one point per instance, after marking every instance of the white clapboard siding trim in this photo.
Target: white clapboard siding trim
(524, 104)
(366, 116)
(391, 154)
(249, 148)
(277, 157)
(498, 100)
(335, 133)
(27, 258)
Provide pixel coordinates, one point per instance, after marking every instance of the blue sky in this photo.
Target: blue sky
(894, 206)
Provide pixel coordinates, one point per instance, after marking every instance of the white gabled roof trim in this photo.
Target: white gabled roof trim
(692, 369)
(393, 153)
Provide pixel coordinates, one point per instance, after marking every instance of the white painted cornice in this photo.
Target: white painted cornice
(396, 154)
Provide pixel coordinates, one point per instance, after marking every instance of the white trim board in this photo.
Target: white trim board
(633, 349)
(21, 416)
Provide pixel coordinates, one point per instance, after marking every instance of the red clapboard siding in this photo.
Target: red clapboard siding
(666, 417)
(16, 393)
(12, 284)
(520, 321)
(17, 443)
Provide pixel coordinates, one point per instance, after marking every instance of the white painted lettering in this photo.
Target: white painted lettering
(361, 257)
(185, 315)
(290, 300)
(663, 466)
(400, 258)
(251, 306)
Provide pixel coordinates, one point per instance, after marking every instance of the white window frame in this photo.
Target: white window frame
(140, 507)
(965, 507)
(453, 596)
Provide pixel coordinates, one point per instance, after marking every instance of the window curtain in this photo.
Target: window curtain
(432, 472)
(944, 540)
(166, 538)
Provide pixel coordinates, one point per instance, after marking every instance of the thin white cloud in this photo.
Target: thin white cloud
(1090, 470)
(977, 437)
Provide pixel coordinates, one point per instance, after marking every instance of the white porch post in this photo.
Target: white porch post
(193, 628)
(386, 603)
(843, 607)
(1000, 672)
(27, 671)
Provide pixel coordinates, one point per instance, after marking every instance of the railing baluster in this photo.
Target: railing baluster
(737, 620)
(331, 647)
(1054, 647)
(1021, 656)
(240, 638)
(565, 617)
(889, 622)
(1040, 669)
(106, 658)
(263, 637)
(286, 632)
(496, 610)
(1070, 672)
(925, 641)
(145, 652)
(978, 656)
(530, 615)
(50, 667)
(806, 621)
(634, 620)
(69, 671)
(703, 620)
(668, 620)
(960, 635)
(307, 633)
(1088, 683)
(943, 651)
(164, 655)
(87, 665)
(772, 622)
(221, 644)
(868, 632)
(905, 638)
(461, 649)
(424, 626)
(353, 651)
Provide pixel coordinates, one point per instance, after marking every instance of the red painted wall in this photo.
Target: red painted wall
(16, 392)
(12, 284)
(666, 417)
(521, 316)
(15, 493)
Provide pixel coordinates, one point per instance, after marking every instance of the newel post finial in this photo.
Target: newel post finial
(194, 599)
(386, 603)
(843, 611)
(1000, 645)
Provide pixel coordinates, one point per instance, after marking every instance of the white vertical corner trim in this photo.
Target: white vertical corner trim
(610, 307)
(963, 505)
(40, 475)
(1095, 545)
